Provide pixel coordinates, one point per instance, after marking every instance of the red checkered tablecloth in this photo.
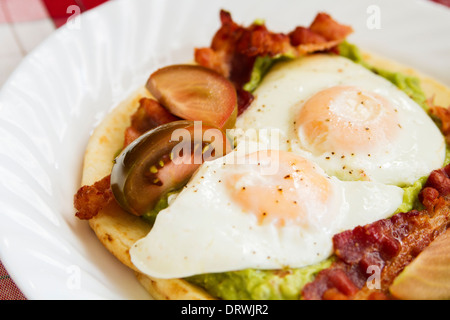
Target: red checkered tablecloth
(23, 25)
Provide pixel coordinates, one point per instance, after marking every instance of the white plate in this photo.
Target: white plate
(51, 103)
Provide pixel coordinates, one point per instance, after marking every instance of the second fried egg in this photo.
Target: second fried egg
(353, 123)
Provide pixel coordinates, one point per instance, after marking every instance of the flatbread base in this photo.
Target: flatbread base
(118, 230)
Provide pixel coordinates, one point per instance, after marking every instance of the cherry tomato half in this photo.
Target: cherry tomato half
(196, 93)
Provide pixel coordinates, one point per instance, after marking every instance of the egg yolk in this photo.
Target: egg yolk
(293, 193)
(346, 119)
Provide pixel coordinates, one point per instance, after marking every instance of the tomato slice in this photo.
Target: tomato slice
(196, 93)
(163, 160)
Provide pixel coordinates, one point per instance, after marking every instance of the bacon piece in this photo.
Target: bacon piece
(89, 200)
(226, 55)
(438, 183)
(234, 48)
(385, 247)
(149, 115)
(257, 40)
(303, 35)
(328, 28)
(443, 114)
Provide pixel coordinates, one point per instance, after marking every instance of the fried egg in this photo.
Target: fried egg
(353, 123)
(257, 208)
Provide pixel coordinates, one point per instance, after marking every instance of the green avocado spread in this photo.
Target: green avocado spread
(251, 284)
(287, 284)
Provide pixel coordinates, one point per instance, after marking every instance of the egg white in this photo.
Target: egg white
(204, 230)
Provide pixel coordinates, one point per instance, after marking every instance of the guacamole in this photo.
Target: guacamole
(251, 284)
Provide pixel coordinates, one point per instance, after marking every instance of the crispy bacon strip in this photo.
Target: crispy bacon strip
(385, 246)
(89, 200)
(438, 183)
(443, 114)
(149, 115)
(329, 29)
(234, 48)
